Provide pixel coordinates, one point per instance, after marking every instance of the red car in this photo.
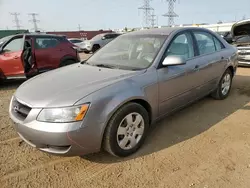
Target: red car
(23, 56)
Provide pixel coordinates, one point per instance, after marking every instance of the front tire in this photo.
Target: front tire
(224, 86)
(126, 130)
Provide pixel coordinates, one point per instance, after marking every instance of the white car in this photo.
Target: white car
(79, 43)
(98, 42)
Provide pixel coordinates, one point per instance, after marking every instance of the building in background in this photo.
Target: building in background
(4, 33)
(79, 34)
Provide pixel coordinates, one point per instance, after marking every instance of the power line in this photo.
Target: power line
(34, 20)
(16, 20)
(171, 14)
(146, 12)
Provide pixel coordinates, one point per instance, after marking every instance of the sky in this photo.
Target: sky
(66, 15)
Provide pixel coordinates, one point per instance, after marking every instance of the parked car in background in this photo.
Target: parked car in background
(23, 56)
(98, 42)
(241, 39)
(79, 43)
(111, 99)
(227, 36)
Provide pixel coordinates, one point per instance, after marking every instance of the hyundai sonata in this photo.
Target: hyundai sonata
(110, 100)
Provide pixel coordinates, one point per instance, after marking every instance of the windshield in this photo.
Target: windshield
(132, 52)
(2, 40)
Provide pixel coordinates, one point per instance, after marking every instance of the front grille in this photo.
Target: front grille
(20, 110)
(243, 52)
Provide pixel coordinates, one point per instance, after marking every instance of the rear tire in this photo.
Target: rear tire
(126, 130)
(67, 62)
(224, 86)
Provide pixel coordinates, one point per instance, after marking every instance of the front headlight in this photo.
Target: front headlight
(63, 115)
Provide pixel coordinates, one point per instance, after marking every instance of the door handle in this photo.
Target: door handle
(16, 57)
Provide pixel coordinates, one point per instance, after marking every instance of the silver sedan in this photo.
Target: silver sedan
(110, 100)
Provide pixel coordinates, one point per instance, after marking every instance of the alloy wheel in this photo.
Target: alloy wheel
(130, 131)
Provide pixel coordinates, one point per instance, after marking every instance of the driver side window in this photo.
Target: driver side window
(14, 45)
(181, 46)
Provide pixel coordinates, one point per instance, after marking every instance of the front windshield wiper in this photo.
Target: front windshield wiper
(106, 66)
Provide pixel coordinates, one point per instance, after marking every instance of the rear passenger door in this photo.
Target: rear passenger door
(209, 60)
(47, 52)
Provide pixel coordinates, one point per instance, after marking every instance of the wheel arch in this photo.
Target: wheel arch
(139, 100)
(2, 76)
(67, 57)
(232, 70)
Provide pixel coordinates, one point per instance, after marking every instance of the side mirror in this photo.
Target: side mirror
(103, 38)
(173, 60)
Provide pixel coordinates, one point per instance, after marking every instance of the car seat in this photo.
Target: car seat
(147, 52)
(27, 56)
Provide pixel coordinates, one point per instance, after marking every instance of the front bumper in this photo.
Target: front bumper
(66, 139)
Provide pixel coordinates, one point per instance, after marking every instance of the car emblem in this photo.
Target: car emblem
(16, 108)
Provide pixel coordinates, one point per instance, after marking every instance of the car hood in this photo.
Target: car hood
(65, 86)
(241, 27)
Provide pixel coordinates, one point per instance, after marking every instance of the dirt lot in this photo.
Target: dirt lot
(204, 145)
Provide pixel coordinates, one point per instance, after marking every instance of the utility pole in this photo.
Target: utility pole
(146, 12)
(16, 20)
(171, 14)
(34, 20)
(79, 27)
(153, 19)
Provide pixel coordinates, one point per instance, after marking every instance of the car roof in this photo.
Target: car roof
(38, 34)
(164, 31)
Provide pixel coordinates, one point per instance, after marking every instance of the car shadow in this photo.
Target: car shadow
(11, 84)
(187, 123)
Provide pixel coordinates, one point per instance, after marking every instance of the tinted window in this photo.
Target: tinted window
(75, 41)
(14, 45)
(42, 43)
(218, 44)
(181, 46)
(111, 36)
(205, 42)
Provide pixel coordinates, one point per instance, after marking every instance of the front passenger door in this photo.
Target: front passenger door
(177, 83)
(11, 62)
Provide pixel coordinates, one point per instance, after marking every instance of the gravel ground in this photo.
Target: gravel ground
(204, 145)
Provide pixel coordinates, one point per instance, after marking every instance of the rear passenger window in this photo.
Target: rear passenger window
(218, 44)
(44, 42)
(205, 42)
